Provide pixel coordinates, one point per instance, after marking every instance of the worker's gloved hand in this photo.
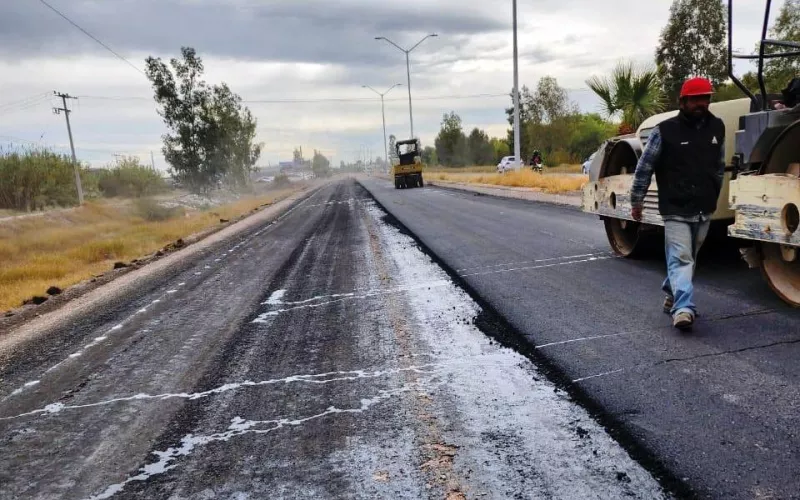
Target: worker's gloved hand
(636, 212)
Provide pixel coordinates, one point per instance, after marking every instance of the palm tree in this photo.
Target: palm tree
(630, 92)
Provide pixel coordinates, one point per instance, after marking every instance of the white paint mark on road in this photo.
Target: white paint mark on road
(594, 337)
(75, 355)
(26, 385)
(348, 296)
(543, 266)
(172, 291)
(276, 297)
(316, 379)
(239, 427)
(604, 374)
(535, 261)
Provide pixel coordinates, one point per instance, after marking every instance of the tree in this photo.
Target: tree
(480, 150)
(525, 117)
(234, 130)
(500, 148)
(778, 72)
(588, 133)
(212, 134)
(451, 144)
(550, 102)
(429, 156)
(633, 94)
(393, 158)
(320, 165)
(692, 44)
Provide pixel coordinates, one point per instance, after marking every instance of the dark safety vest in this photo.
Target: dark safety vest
(688, 166)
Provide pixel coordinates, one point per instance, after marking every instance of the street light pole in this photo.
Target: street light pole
(383, 116)
(517, 148)
(408, 72)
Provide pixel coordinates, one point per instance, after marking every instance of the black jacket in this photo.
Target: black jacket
(687, 170)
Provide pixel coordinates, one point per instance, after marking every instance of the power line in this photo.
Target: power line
(24, 101)
(93, 37)
(331, 99)
(25, 106)
(319, 100)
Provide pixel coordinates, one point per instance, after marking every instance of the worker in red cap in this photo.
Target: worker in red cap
(687, 155)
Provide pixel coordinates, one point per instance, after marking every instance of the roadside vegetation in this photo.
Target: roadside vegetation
(61, 248)
(36, 179)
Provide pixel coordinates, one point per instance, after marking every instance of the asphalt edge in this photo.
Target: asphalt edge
(507, 335)
(12, 326)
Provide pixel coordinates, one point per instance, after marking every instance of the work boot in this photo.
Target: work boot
(683, 321)
(668, 302)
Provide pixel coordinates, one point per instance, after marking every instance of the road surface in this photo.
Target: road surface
(323, 355)
(719, 408)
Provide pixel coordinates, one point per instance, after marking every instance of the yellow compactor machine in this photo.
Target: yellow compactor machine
(407, 172)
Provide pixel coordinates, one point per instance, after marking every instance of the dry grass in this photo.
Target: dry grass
(564, 168)
(64, 248)
(462, 170)
(550, 183)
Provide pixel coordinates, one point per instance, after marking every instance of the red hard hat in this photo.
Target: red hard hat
(696, 86)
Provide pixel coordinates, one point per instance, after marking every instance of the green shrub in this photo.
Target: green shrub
(130, 179)
(34, 179)
(281, 180)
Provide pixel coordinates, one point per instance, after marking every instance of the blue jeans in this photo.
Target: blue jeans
(682, 241)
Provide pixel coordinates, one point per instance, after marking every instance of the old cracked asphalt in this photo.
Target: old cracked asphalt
(326, 356)
(719, 408)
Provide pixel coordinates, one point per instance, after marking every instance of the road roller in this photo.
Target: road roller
(760, 196)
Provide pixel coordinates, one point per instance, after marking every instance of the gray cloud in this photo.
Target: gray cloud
(290, 31)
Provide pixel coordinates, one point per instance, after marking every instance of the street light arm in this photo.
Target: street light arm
(389, 41)
(426, 37)
(368, 87)
(393, 86)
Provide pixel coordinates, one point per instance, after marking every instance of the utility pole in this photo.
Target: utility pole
(517, 148)
(152, 162)
(408, 73)
(67, 111)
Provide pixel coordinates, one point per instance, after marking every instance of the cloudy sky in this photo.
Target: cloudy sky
(301, 64)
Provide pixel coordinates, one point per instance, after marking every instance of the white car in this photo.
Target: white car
(507, 163)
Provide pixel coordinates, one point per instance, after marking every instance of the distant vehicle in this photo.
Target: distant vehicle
(536, 162)
(407, 171)
(587, 164)
(506, 163)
